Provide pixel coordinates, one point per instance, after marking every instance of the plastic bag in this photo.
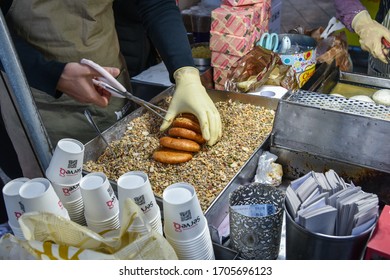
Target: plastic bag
(52, 237)
(268, 172)
(283, 75)
(335, 47)
(252, 70)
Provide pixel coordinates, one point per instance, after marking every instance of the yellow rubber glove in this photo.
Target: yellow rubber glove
(190, 96)
(370, 35)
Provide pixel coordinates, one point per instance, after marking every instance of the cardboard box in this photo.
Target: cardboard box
(229, 20)
(260, 14)
(231, 44)
(265, 17)
(244, 2)
(222, 60)
(235, 30)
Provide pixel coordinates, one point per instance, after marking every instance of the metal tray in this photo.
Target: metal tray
(327, 76)
(96, 147)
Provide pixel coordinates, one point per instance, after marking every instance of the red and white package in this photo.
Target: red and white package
(222, 60)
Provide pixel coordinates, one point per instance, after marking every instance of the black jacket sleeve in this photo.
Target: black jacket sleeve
(41, 73)
(164, 25)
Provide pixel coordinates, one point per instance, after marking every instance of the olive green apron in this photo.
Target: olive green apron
(67, 31)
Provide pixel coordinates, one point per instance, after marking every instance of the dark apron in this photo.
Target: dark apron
(67, 31)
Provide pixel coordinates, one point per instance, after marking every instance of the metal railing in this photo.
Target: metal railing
(20, 93)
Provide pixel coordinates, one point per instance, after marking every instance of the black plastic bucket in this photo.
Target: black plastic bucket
(302, 244)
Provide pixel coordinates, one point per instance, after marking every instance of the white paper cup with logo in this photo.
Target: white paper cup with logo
(156, 223)
(139, 226)
(68, 192)
(199, 248)
(100, 201)
(76, 211)
(136, 185)
(183, 216)
(66, 165)
(71, 198)
(12, 200)
(38, 195)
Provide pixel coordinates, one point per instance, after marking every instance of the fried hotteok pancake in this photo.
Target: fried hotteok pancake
(170, 156)
(187, 134)
(179, 144)
(187, 123)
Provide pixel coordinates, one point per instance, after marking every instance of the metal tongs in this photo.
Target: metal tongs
(93, 123)
(109, 83)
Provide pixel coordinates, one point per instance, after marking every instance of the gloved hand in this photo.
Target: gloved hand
(370, 35)
(190, 96)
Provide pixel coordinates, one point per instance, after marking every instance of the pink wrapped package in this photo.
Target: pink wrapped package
(220, 75)
(230, 44)
(235, 30)
(256, 35)
(260, 14)
(233, 45)
(222, 60)
(234, 21)
(244, 2)
(264, 11)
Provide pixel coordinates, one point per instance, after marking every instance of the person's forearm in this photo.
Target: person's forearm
(164, 26)
(346, 10)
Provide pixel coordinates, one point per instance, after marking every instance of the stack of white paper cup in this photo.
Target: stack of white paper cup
(66, 165)
(71, 198)
(38, 195)
(185, 226)
(136, 185)
(13, 205)
(101, 207)
(65, 173)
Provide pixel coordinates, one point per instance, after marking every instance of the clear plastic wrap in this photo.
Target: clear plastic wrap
(257, 68)
(268, 172)
(335, 47)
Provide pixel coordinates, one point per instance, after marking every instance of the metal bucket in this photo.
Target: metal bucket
(302, 244)
(202, 63)
(302, 62)
(256, 237)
